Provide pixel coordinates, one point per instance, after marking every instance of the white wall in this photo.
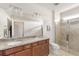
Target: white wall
(46, 16)
(49, 20)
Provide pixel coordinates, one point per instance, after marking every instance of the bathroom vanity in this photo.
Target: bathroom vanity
(30, 47)
(14, 35)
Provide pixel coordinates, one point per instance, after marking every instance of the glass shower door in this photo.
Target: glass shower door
(74, 37)
(70, 35)
(65, 33)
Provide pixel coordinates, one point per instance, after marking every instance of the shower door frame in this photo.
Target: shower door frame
(67, 42)
(65, 26)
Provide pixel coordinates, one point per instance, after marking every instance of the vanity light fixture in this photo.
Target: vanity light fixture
(15, 10)
(35, 14)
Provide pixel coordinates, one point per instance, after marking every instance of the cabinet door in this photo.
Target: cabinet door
(36, 50)
(0, 53)
(45, 49)
(13, 50)
(42, 49)
(24, 53)
(12, 55)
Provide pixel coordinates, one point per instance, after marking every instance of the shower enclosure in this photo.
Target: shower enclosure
(69, 32)
(70, 35)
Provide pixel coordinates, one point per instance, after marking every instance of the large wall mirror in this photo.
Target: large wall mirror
(27, 28)
(21, 28)
(16, 23)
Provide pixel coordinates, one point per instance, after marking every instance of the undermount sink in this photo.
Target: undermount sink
(13, 43)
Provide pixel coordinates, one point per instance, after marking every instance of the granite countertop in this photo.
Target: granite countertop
(6, 44)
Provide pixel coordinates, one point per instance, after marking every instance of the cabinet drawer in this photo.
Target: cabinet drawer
(0, 53)
(24, 53)
(47, 41)
(13, 50)
(35, 44)
(12, 55)
(27, 46)
(42, 42)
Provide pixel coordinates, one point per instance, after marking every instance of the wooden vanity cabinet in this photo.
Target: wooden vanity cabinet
(40, 48)
(12, 50)
(0, 53)
(26, 52)
(11, 55)
(27, 46)
(44, 49)
(35, 49)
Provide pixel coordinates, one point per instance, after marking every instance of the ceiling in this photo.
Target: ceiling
(59, 6)
(50, 6)
(30, 8)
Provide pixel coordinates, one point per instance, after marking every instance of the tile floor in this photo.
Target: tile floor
(61, 53)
